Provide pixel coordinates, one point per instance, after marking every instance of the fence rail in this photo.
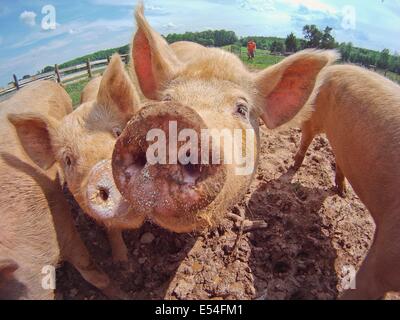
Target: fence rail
(64, 76)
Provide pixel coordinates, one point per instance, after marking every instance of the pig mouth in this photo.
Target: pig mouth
(164, 192)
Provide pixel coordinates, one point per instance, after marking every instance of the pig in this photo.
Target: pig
(91, 90)
(83, 142)
(359, 111)
(36, 226)
(203, 88)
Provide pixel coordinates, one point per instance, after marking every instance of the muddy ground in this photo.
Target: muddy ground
(312, 234)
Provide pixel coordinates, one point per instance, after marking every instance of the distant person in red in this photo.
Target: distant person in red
(251, 49)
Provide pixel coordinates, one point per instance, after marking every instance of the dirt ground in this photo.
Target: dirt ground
(312, 235)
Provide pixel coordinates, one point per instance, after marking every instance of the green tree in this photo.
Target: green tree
(346, 50)
(312, 35)
(48, 69)
(383, 61)
(327, 40)
(218, 38)
(277, 47)
(291, 43)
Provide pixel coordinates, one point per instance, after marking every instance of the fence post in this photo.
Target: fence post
(16, 82)
(89, 68)
(57, 70)
(108, 59)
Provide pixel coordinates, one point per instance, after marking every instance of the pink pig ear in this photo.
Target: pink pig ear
(35, 134)
(117, 90)
(286, 87)
(154, 62)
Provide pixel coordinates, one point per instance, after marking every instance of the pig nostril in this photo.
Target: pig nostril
(191, 169)
(191, 172)
(141, 160)
(104, 194)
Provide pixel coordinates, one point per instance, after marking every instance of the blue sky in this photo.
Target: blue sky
(89, 25)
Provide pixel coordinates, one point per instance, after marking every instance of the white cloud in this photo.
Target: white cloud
(258, 5)
(314, 5)
(170, 25)
(28, 17)
(153, 8)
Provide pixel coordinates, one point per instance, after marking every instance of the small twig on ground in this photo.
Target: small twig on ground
(244, 226)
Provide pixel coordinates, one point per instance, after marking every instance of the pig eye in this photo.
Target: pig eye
(242, 110)
(117, 132)
(167, 98)
(68, 161)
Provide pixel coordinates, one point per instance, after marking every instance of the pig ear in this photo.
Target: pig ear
(286, 87)
(7, 268)
(153, 60)
(116, 89)
(35, 132)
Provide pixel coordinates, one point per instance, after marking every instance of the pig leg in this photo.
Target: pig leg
(74, 251)
(118, 247)
(379, 273)
(340, 182)
(307, 137)
(77, 254)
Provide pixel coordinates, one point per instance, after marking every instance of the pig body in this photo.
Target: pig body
(360, 113)
(36, 226)
(82, 144)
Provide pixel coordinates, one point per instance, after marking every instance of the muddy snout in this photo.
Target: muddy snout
(104, 200)
(160, 165)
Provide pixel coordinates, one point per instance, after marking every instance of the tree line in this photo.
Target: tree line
(99, 55)
(313, 37)
(211, 38)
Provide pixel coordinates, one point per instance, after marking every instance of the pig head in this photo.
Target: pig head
(82, 144)
(202, 89)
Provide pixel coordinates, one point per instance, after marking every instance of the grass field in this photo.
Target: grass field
(262, 59)
(74, 90)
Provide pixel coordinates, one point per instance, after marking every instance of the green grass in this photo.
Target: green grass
(74, 90)
(263, 58)
(393, 76)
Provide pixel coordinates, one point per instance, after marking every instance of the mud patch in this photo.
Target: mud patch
(312, 234)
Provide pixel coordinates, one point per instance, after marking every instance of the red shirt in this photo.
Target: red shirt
(251, 46)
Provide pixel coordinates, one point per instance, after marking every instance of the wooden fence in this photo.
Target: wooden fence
(64, 76)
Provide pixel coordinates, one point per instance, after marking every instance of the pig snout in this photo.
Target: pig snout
(172, 181)
(104, 200)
